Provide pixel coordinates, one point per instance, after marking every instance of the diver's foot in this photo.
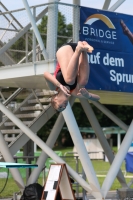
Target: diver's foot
(89, 47)
(94, 97)
(80, 47)
(88, 95)
(84, 46)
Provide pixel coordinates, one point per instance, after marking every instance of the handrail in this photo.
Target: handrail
(44, 4)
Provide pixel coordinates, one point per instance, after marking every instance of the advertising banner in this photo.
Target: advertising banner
(111, 62)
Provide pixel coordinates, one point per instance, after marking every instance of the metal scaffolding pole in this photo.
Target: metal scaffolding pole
(82, 152)
(113, 117)
(32, 20)
(50, 142)
(52, 27)
(100, 135)
(106, 4)
(34, 39)
(108, 181)
(116, 5)
(44, 147)
(76, 20)
(8, 158)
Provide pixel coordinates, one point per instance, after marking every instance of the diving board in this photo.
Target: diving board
(16, 165)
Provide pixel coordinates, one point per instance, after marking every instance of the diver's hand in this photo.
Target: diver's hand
(65, 90)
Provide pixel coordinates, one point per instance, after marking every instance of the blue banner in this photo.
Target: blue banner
(111, 63)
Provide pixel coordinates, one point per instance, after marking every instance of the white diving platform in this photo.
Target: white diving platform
(30, 75)
(27, 75)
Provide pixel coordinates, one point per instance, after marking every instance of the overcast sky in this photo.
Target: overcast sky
(126, 7)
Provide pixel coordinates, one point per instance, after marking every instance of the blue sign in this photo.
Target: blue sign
(111, 62)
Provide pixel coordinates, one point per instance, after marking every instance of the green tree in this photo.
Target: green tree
(63, 29)
(122, 112)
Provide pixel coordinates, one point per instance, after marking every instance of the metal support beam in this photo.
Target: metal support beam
(34, 39)
(35, 29)
(82, 152)
(52, 28)
(8, 158)
(118, 141)
(50, 142)
(76, 16)
(116, 5)
(119, 158)
(106, 4)
(100, 135)
(12, 96)
(109, 114)
(26, 47)
(44, 147)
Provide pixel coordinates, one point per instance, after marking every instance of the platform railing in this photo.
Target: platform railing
(20, 24)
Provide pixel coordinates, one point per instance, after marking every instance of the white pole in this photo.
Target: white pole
(109, 114)
(76, 16)
(52, 27)
(116, 5)
(106, 4)
(120, 156)
(118, 140)
(34, 39)
(82, 152)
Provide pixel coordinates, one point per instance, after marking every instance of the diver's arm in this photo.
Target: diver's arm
(52, 79)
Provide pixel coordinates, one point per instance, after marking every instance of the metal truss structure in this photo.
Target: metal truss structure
(29, 75)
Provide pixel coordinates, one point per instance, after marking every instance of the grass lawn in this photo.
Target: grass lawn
(101, 168)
